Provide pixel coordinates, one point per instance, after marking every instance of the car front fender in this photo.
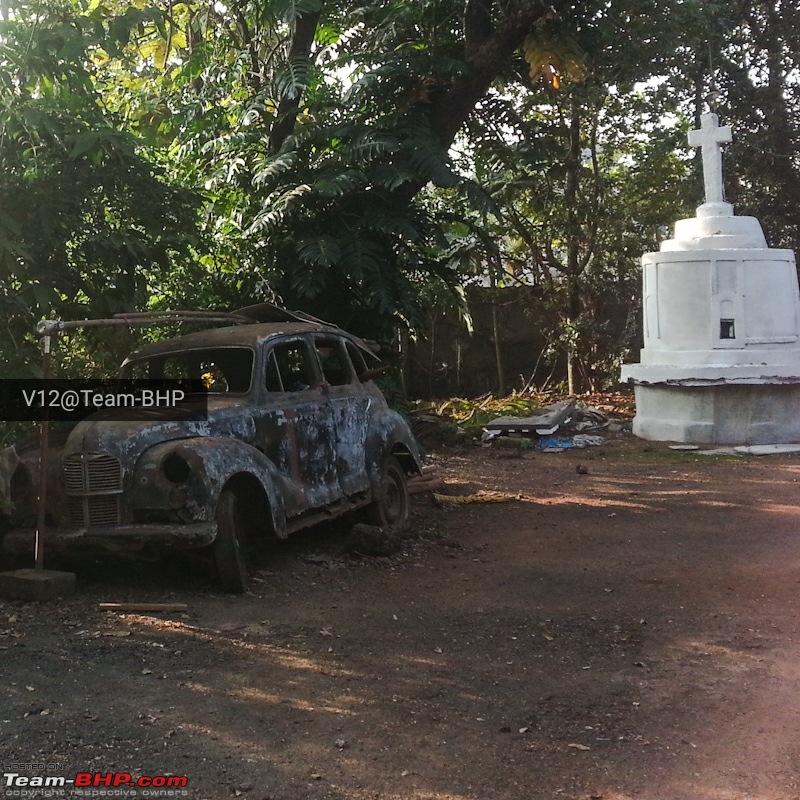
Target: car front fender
(210, 463)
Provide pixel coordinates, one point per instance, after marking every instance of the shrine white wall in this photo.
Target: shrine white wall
(721, 356)
(720, 307)
(723, 414)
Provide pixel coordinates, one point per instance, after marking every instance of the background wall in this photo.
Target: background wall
(449, 361)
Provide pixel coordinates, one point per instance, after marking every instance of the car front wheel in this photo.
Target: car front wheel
(228, 546)
(392, 506)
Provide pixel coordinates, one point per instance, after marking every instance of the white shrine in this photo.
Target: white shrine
(721, 356)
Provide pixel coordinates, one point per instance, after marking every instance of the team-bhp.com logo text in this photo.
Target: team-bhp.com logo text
(93, 784)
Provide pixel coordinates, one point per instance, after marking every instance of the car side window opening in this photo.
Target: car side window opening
(289, 368)
(336, 367)
(357, 358)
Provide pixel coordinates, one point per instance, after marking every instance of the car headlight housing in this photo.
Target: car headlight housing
(176, 468)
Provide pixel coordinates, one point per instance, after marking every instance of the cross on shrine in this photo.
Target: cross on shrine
(709, 138)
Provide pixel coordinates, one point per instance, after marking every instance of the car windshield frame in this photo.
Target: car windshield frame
(130, 364)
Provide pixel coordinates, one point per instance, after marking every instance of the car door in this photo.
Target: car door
(295, 427)
(349, 405)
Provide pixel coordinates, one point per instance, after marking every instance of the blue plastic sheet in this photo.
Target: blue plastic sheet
(556, 442)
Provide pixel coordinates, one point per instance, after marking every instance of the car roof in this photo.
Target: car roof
(242, 336)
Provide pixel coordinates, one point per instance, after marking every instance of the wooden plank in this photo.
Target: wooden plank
(143, 606)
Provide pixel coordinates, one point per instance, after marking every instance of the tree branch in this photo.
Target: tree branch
(487, 52)
(286, 115)
(477, 23)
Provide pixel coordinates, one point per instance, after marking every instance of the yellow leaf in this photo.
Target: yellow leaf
(553, 56)
(479, 497)
(178, 39)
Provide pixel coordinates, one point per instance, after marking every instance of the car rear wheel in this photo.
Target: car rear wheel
(228, 546)
(392, 505)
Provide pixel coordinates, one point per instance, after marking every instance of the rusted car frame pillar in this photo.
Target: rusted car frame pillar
(44, 437)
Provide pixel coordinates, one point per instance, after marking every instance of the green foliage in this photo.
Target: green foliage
(482, 410)
(753, 84)
(586, 179)
(315, 184)
(85, 217)
(365, 162)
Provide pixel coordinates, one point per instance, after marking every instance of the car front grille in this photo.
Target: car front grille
(85, 512)
(92, 473)
(93, 484)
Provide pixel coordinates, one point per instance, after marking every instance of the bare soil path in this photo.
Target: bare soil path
(632, 632)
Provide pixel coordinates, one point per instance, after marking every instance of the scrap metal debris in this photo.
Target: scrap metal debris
(557, 427)
(522, 420)
(548, 421)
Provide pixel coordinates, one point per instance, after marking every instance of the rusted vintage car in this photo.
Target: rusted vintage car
(297, 433)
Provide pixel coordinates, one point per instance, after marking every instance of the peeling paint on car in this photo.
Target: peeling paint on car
(293, 454)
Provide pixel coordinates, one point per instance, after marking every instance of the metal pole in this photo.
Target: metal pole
(44, 435)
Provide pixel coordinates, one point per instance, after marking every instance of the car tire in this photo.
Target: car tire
(229, 554)
(392, 506)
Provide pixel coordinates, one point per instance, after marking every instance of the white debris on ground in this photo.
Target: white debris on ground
(752, 450)
(557, 427)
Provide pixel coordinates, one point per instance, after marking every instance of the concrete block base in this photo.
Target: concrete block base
(718, 414)
(36, 584)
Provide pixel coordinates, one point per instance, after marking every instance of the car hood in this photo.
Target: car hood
(127, 439)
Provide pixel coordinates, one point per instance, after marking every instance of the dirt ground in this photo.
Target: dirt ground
(627, 633)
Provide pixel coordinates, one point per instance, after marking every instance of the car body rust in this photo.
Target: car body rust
(296, 430)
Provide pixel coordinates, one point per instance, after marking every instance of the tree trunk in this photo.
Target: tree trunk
(498, 349)
(403, 358)
(573, 264)
(286, 116)
(570, 367)
(487, 50)
(458, 363)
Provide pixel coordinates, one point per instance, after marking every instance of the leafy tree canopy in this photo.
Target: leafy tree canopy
(87, 221)
(358, 159)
